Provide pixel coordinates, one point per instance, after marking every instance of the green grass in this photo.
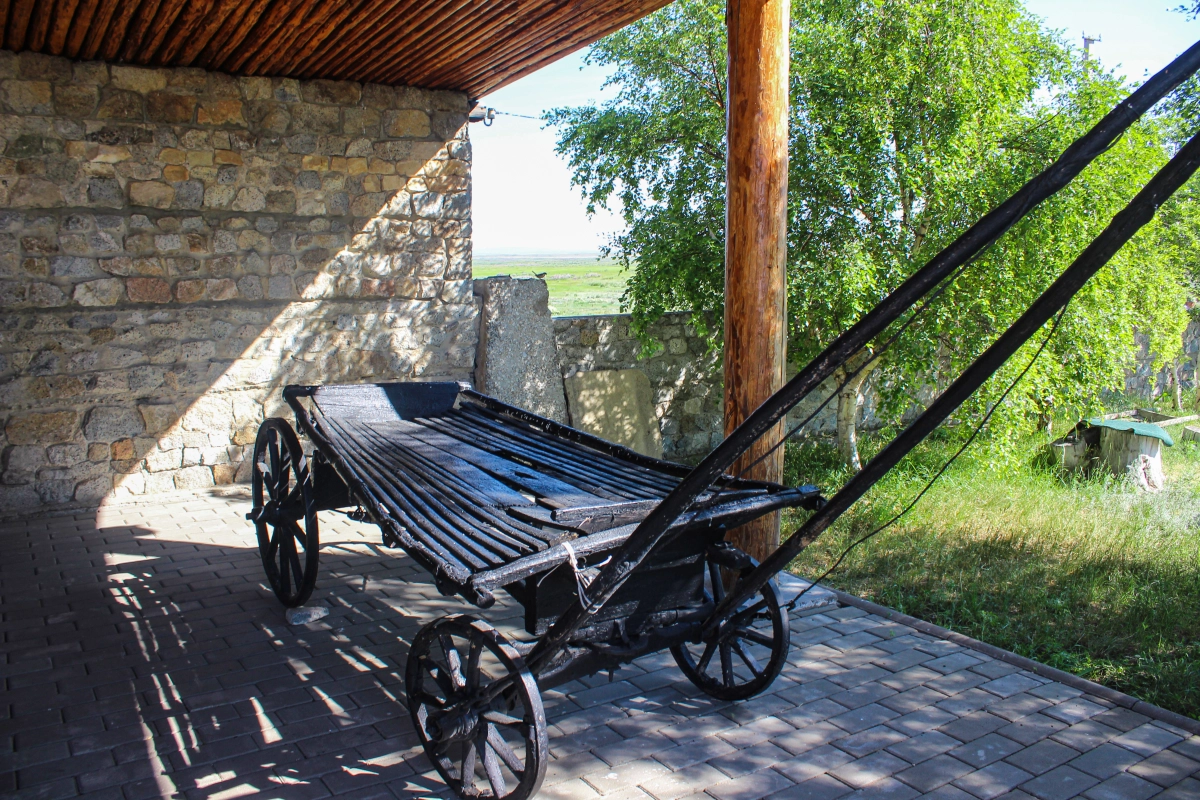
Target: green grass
(1089, 576)
(578, 285)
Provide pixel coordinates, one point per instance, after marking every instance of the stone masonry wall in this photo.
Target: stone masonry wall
(684, 375)
(176, 245)
(1138, 381)
(688, 385)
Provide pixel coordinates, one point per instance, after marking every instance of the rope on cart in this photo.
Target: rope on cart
(975, 433)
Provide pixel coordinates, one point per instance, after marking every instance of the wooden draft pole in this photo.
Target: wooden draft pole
(756, 172)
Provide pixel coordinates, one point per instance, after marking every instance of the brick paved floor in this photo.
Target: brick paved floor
(143, 657)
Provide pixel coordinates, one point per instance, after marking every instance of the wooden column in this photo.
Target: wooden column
(756, 233)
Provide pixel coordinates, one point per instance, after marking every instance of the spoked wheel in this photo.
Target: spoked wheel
(284, 514)
(477, 710)
(746, 654)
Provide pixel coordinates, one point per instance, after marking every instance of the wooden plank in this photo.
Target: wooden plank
(114, 38)
(98, 28)
(317, 34)
(554, 448)
(78, 29)
(226, 39)
(329, 46)
(756, 237)
(186, 27)
(223, 15)
(579, 477)
(139, 29)
(267, 27)
(168, 13)
(550, 491)
(18, 24)
(399, 496)
(281, 46)
(497, 493)
(60, 25)
(1164, 419)
(39, 26)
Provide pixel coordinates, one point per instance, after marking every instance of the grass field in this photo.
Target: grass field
(578, 285)
(1089, 576)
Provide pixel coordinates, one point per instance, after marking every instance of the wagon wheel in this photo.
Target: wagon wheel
(284, 514)
(746, 654)
(483, 746)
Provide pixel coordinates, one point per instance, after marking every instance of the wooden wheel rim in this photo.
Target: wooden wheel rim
(744, 659)
(281, 485)
(504, 755)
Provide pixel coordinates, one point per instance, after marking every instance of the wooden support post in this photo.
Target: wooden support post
(756, 233)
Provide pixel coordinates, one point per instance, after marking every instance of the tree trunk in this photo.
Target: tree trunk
(756, 236)
(1177, 376)
(848, 401)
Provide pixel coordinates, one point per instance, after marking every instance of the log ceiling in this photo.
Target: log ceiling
(474, 46)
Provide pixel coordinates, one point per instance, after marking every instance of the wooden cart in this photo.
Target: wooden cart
(487, 496)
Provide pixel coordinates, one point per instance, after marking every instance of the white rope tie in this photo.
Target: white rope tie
(582, 578)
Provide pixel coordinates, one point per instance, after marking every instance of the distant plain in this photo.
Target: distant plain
(578, 285)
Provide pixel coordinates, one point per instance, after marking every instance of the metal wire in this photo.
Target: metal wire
(974, 434)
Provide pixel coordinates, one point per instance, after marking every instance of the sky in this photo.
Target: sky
(523, 201)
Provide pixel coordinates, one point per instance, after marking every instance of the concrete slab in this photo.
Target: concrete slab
(617, 405)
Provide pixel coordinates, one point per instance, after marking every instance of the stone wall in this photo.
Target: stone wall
(684, 374)
(1143, 381)
(687, 380)
(176, 245)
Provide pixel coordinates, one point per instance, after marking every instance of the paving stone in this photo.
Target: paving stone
(929, 775)
(862, 718)
(871, 740)
(986, 749)
(886, 789)
(809, 736)
(924, 747)
(699, 750)
(1189, 747)
(922, 720)
(1166, 768)
(871, 769)
(1009, 685)
(953, 662)
(1075, 710)
(1085, 735)
(822, 787)
(993, 780)
(750, 787)
(1123, 787)
(752, 759)
(1105, 761)
(1059, 783)
(1042, 757)
(1185, 790)
(1146, 740)
(974, 725)
(917, 698)
(683, 782)
(1031, 729)
(815, 762)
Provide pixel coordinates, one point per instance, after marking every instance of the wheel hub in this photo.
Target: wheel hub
(455, 725)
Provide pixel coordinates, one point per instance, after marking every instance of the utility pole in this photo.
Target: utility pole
(1088, 41)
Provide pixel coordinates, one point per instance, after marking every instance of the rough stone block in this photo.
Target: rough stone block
(617, 405)
(516, 358)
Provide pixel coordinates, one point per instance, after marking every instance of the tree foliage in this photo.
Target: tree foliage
(909, 120)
